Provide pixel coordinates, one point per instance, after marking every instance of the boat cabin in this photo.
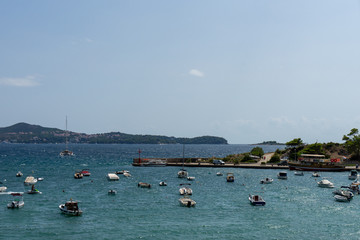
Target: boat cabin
(72, 205)
(313, 158)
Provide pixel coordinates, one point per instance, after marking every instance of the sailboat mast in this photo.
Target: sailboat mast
(66, 141)
(183, 155)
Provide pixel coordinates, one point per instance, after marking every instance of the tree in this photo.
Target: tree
(295, 142)
(315, 148)
(257, 151)
(352, 143)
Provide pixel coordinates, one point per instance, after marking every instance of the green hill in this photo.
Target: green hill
(27, 133)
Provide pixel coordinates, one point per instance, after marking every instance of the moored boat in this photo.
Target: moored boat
(78, 175)
(19, 174)
(324, 183)
(162, 183)
(18, 201)
(187, 202)
(256, 200)
(144, 185)
(340, 198)
(112, 192)
(353, 175)
(282, 175)
(191, 178)
(182, 173)
(85, 172)
(219, 174)
(298, 173)
(266, 180)
(316, 174)
(70, 208)
(315, 163)
(185, 189)
(230, 177)
(30, 180)
(112, 177)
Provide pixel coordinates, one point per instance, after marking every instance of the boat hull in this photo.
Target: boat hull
(317, 168)
(69, 212)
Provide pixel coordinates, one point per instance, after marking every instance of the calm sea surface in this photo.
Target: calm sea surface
(295, 208)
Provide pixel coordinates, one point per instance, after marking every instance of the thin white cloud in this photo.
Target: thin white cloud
(28, 81)
(196, 73)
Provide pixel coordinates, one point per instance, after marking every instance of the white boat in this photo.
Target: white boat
(230, 177)
(30, 180)
(3, 189)
(185, 189)
(182, 173)
(353, 175)
(282, 175)
(298, 173)
(256, 200)
(112, 192)
(340, 198)
(345, 193)
(70, 208)
(266, 180)
(316, 174)
(66, 152)
(18, 201)
(187, 202)
(219, 174)
(112, 177)
(162, 183)
(126, 174)
(324, 183)
(19, 174)
(40, 179)
(191, 178)
(144, 185)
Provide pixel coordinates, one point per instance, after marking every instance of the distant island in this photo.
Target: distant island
(28, 133)
(269, 143)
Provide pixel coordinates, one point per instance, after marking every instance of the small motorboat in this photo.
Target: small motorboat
(266, 180)
(162, 183)
(316, 174)
(345, 193)
(30, 180)
(17, 202)
(182, 173)
(230, 177)
(353, 175)
(340, 198)
(191, 178)
(85, 172)
(187, 202)
(33, 190)
(78, 175)
(324, 183)
(3, 189)
(127, 174)
(298, 173)
(112, 192)
(185, 189)
(219, 174)
(40, 179)
(19, 174)
(122, 172)
(282, 175)
(144, 185)
(256, 200)
(112, 177)
(70, 208)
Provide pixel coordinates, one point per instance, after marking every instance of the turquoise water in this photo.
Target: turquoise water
(295, 208)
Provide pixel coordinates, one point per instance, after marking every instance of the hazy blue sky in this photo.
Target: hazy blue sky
(248, 71)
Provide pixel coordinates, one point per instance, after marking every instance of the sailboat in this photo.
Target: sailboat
(66, 152)
(183, 173)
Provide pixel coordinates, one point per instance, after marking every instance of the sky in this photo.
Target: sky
(249, 71)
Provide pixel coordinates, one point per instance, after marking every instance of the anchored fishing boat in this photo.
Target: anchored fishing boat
(70, 208)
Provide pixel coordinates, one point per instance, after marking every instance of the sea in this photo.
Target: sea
(295, 208)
